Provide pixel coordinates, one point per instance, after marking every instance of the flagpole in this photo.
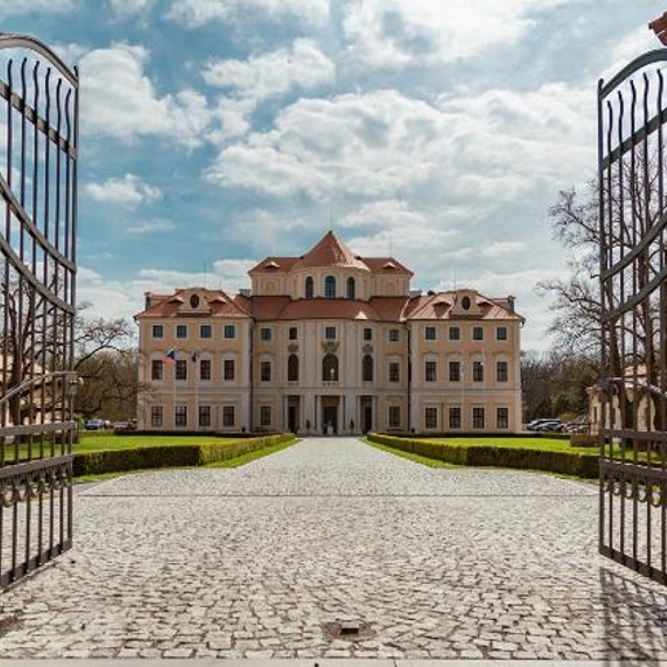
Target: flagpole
(195, 358)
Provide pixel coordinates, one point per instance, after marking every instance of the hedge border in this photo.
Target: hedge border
(577, 464)
(167, 456)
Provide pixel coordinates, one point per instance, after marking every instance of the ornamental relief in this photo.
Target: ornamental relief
(367, 348)
(330, 346)
(293, 348)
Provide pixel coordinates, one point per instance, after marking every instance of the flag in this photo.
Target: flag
(169, 356)
(194, 357)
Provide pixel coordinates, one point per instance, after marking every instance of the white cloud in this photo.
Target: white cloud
(497, 146)
(634, 44)
(269, 74)
(503, 248)
(119, 100)
(196, 13)
(150, 226)
(128, 191)
(374, 145)
(126, 7)
(9, 7)
(394, 34)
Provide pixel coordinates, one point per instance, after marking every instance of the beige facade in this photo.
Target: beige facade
(330, 342)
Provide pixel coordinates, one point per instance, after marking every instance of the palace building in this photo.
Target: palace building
(329, 342)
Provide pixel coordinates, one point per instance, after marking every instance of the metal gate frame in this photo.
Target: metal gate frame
(632, 113)
(38, 190)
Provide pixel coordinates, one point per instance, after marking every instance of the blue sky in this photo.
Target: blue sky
(216, 132)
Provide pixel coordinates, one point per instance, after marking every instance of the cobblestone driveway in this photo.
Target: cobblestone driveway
(264, 560)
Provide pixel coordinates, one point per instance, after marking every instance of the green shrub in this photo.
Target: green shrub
(584, 440)
(563, 462)
(138, 458)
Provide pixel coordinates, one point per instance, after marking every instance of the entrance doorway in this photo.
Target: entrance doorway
(329, 414)
(368, 419)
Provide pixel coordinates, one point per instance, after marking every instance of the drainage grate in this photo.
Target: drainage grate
(348, 629)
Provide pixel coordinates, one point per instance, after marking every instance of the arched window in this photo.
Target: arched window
(351, 288)
(309, 287)
(330, 368)
(367, 368)
(329, 287)
(292, 368)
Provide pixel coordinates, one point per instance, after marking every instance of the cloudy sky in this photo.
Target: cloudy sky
(216, 132)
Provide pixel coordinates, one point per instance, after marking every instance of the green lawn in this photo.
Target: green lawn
(544, 444)
(97, 442)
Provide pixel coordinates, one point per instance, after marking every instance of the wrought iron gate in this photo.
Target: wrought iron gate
(38, 169)
(632, 114)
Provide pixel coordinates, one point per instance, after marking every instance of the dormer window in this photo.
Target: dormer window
(194, 301)
(465, 303)
(329, 287)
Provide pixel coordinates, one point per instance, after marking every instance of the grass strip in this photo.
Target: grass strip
(481, 452)
(423, 460)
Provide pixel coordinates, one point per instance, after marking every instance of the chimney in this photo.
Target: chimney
(147, 300)
(510, 303)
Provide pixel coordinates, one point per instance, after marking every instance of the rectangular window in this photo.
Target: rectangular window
(478, 417)
(265, 371)
(229, 369)
(330, 333)
(204, 415)
(429, 333)
(502, 372)
(454, 333)
(394, 371)
(156, 369)
(368, 334)
(477, 371)
(204, 369)
(228, 415)
(293, 333)
(430, 371)
(394, 335)
(158, 331)
(181, 415)
(431, 417)
(455, 371)
(181, 331)
(501, 333)
(181, 369)
(477, 333)
(229, 331)
(204, 330)
(157, 415)
(265, 334)
(265, 415)
(394, 416)
(502, 417)
(455, 417)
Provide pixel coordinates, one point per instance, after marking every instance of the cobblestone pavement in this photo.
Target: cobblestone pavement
(265, 561)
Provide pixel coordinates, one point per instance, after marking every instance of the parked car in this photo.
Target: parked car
(123, 427)
(549, 425)
(94, 425)
(536, 423)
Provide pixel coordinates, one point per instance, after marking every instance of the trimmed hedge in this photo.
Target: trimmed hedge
(566, 463)
(123, 460)
(584, 440)
(551, 435)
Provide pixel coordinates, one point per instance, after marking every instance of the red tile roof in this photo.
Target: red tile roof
(330, 251)
(216, 304)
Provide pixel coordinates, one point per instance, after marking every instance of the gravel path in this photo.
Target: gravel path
(267, 560)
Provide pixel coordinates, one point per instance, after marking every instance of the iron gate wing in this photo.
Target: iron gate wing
(38, 186)
(633, 278)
